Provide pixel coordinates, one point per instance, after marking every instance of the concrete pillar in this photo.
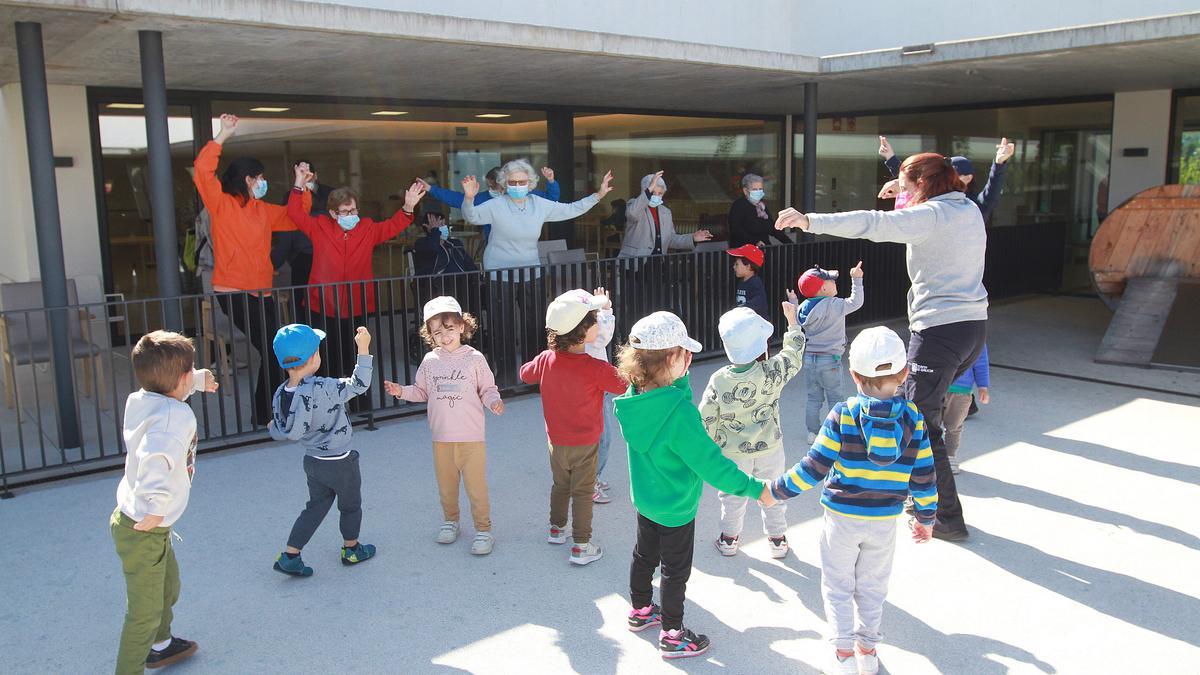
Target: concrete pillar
(810, 147)
(1141, 137)
(789, 160)
(36, 103)
(162, 188)
(560, 146)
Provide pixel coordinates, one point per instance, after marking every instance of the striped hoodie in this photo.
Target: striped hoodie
(871, 454)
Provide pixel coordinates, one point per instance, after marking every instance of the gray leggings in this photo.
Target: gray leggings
(328, 479)
(954, 413)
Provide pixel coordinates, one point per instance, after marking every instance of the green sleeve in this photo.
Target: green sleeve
(703, 455)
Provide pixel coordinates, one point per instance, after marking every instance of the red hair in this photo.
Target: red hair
(931, 175)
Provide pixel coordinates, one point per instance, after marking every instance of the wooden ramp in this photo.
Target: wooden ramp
(1156, 324)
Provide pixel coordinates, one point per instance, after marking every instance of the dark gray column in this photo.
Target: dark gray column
(560, 141)
(162, 188)
(810, 147)
(36, 104)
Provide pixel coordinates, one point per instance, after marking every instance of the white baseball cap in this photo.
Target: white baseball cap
(662, 330)
(744, 334)
(441, 305)
(878, 351)
(568, 309)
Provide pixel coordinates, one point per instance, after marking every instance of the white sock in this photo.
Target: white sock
(159, 646)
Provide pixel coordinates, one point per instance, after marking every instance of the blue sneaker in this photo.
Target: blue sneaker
(360, 553)
(293, 566)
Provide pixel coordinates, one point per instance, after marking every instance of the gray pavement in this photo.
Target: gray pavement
(1081, 497)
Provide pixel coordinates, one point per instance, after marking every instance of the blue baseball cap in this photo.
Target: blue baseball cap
(962, 165)
(295, 344)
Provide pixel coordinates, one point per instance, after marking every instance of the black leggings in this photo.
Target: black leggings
(256, 317)
(670, 547)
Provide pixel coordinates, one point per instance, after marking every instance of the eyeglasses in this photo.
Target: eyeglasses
(351, 212)
(517, 183)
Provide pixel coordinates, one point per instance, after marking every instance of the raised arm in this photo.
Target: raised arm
(359, 381)
(557, 211)
(204, 177)
(476, 214)
(451, 198)
(908, 226)
(989, 197)
(790, 358)
(404, 217)
(301, 216)
(855, 301)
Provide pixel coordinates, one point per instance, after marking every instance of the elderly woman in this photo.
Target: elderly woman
(649, 228)
(749, 220)
(517, 216)
(942, 230)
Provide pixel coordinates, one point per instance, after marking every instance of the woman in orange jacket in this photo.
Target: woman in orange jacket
(343, 246)
(242, 224)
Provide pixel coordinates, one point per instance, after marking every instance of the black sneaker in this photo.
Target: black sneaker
(949, 534)
(178, 650)
(682, 643)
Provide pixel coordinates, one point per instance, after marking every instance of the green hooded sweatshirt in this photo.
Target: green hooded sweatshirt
(671, 456)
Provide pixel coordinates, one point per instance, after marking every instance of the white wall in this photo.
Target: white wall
(789, 26)
(76, 189)
(1141, 119)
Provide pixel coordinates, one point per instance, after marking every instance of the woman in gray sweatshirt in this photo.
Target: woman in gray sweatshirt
(945, 242)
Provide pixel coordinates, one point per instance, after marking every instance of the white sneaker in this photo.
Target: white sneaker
(844, 665)
(727, 545)
(954, 465)
(868, 664)
(601, 485)
(582, 554)
(779, 547)
(812, 438)
(483, 543)
(448, 534)
(557, 535)
(600, 496)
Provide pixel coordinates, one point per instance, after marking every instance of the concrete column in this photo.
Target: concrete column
(1140, 139)
(162, 188)
(810, 147)
(36, 103)
(560, 146)
(789, 160)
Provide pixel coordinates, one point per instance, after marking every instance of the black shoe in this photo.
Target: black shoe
(950, 534)
(178, 650)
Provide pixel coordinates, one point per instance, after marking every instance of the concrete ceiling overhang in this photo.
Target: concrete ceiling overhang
(287, 47)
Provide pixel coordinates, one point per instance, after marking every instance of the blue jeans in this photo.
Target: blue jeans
(610, 428)
(823, 377)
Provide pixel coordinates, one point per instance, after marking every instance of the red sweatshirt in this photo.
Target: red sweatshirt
(342, 256)
(573, 387)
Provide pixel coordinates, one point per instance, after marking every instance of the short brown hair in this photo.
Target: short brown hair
(160, 359)
(342, 195)
(750, 263)
(646, 367)
(884, 382)
(561, 342)
(470, 326)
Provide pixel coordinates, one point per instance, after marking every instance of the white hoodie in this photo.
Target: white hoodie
(160, 451)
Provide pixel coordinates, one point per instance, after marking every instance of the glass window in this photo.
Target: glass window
(378, 150)
(1185, 155)
(703, 160)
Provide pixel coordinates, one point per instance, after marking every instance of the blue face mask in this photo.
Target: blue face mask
(445, 230)
(260, 188)
(518, 192)
(756, 196)
(496, 194)
(347, 223)
(655, 200)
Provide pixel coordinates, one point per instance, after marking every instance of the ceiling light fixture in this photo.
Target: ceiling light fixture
(914, 50)
(126, 106)
(390, 113)
(493, 116)
(268, 109)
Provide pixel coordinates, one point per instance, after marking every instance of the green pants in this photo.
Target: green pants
(151, 586)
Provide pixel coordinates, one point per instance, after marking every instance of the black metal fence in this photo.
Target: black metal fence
(508, 304)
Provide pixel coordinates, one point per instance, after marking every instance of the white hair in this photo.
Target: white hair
(649, 177)
(750, 179)
(517, 166)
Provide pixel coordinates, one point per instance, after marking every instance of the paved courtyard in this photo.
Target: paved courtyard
(1081, 497)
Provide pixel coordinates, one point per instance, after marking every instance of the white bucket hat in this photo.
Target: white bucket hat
(662, 330)
(744, 334)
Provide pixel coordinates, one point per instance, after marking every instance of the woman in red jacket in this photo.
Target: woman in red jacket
(343, 245)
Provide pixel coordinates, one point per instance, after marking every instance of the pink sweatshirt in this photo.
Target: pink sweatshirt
(457, 386)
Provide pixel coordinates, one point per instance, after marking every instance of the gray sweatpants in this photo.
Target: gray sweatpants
(733, 507)
(856, 562)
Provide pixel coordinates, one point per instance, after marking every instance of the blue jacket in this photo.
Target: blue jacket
(978, 375)
(454, 199)
(986, 199)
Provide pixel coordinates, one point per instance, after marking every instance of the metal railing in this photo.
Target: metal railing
(509, 305)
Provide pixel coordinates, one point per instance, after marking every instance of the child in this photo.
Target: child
(312, 410)
(748, 261)
(740, 409)
(823, 316)
(599, 350)
(573, 385)
(160, 454)
(872, 453)
(670, 459)
(958, 403)
(457, 383)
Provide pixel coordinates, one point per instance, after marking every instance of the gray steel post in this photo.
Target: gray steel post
(560, 148)
(162, 189)
(47, 226)
(810, 146)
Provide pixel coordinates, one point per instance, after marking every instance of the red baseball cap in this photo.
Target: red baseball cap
(810, 282)
(750, 252)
